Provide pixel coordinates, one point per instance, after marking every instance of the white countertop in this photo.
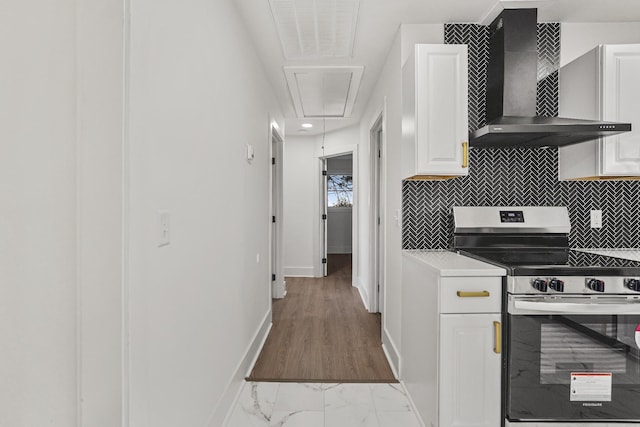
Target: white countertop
(624, 253)
(449, 263)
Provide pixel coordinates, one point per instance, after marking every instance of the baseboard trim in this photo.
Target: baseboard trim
(412, 404)
(391, 352)
(222, 410)
(299, 272)
(364, 295)
(322, 380)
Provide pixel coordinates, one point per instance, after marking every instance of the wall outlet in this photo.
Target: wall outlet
(596, 219)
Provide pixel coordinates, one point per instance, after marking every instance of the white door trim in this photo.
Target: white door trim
(335, 152)
(276, 231)
(377, 203)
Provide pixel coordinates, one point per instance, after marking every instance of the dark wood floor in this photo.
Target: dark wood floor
(322, 333)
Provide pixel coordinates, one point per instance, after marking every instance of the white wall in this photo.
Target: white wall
(338, 142)
(339, 230)
(198, 95)
(411, 34)
(301, 171)
(62, 222)
(99, 156)
(37, 219)
(579, 38)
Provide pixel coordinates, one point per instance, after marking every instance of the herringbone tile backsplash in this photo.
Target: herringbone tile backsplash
(517, 176)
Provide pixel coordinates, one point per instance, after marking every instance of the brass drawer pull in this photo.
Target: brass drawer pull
(477, 294)
(497, 345)
(465, 154)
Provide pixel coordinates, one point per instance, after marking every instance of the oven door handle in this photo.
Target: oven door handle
(589, 306)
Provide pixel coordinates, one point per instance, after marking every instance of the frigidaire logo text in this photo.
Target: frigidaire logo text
(591, 404)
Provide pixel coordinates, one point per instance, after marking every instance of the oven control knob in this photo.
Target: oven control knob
(633, 284)
(539, 284)
(595, 285)
(556, 284)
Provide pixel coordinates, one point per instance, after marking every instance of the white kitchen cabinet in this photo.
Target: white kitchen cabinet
(451, 339)
(602, 84)
(469, 370)
(435, 112)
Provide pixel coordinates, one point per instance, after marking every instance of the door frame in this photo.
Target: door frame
(328, 153)
(324, 213)
(276, 230)
(377, 208)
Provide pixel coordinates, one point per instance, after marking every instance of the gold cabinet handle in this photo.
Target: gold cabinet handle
(497, 331)
(465, 154)
(478, 294)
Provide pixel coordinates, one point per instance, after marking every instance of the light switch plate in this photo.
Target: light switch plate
(163, 228)
(250, 153)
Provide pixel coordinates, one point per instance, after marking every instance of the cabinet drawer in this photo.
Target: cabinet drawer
(471, 295)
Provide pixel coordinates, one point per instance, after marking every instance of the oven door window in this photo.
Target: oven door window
(573, 367)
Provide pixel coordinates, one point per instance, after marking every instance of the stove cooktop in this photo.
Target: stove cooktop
(556, 261)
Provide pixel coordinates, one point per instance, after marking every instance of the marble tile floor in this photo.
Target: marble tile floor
(262, 404)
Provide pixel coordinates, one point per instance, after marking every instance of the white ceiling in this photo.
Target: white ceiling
(376, 23)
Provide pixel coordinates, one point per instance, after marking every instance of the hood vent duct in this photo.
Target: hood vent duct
(511, 92)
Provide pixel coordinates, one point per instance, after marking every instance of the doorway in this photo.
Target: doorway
(321, 244)
(278, 284)
(376, 137)
(338, 213)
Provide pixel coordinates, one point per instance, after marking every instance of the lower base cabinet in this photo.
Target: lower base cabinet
(451, 346)
(469, 367)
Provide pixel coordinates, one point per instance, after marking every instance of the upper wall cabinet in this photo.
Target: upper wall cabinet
(435, 112)
(603, 84)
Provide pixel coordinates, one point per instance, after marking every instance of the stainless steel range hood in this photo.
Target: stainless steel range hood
(511, 93)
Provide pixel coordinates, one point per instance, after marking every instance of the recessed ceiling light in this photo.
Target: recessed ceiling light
(307, 125)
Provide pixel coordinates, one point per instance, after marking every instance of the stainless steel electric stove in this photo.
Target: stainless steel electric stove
(571, 318)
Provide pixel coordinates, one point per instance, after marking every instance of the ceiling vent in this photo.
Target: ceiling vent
(323, 91)
(316, 28)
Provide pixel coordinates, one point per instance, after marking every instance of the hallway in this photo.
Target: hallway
(322, 333)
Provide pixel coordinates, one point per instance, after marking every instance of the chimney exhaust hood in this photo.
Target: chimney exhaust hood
(511, 93)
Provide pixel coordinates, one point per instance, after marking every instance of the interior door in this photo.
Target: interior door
(379, 234)
(278, 284)
(274, 218)
(325, 203)
(377, 244)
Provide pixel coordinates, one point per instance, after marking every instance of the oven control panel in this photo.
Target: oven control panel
(573, 285)
(511, 216)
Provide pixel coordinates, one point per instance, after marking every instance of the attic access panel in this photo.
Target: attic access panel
(316, 28)
(323, 91)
